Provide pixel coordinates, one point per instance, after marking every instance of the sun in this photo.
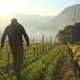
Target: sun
(7, 7)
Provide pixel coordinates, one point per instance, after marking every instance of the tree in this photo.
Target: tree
(70, 34)
(65, 35)
(76, 33)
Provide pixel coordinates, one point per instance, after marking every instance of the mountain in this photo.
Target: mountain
(63, 19)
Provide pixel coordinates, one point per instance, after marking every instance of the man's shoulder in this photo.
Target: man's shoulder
(7, 27)
(20, 25)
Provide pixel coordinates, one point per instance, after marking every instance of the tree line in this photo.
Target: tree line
(70, 33)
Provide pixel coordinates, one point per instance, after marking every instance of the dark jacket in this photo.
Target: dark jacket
(14, 33)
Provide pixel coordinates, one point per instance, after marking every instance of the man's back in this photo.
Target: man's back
(15, 32)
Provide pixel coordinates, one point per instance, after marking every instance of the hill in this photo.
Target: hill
(63, 19)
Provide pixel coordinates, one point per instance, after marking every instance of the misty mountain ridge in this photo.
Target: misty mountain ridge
(63, 19)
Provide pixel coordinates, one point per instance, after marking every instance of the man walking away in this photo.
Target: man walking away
(15, 31)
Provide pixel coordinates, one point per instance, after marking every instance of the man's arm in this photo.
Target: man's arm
(3, 37)
(25, 36)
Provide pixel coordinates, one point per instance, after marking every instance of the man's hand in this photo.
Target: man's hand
(28, 46)
(1, 46)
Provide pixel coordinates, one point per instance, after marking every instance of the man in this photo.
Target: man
(15, 31)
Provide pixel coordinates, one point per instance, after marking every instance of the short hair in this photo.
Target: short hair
(14, 20)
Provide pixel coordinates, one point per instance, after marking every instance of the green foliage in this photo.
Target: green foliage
(70, 34)
(44, 66)
(65, 35)
(76, 33)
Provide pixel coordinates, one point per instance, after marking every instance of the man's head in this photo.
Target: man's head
(13, 21)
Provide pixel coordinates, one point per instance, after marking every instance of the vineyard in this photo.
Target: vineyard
(41, 62)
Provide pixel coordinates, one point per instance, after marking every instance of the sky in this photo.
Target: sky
(32, 7)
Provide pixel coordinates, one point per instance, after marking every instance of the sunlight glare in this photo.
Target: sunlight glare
(7, 7)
